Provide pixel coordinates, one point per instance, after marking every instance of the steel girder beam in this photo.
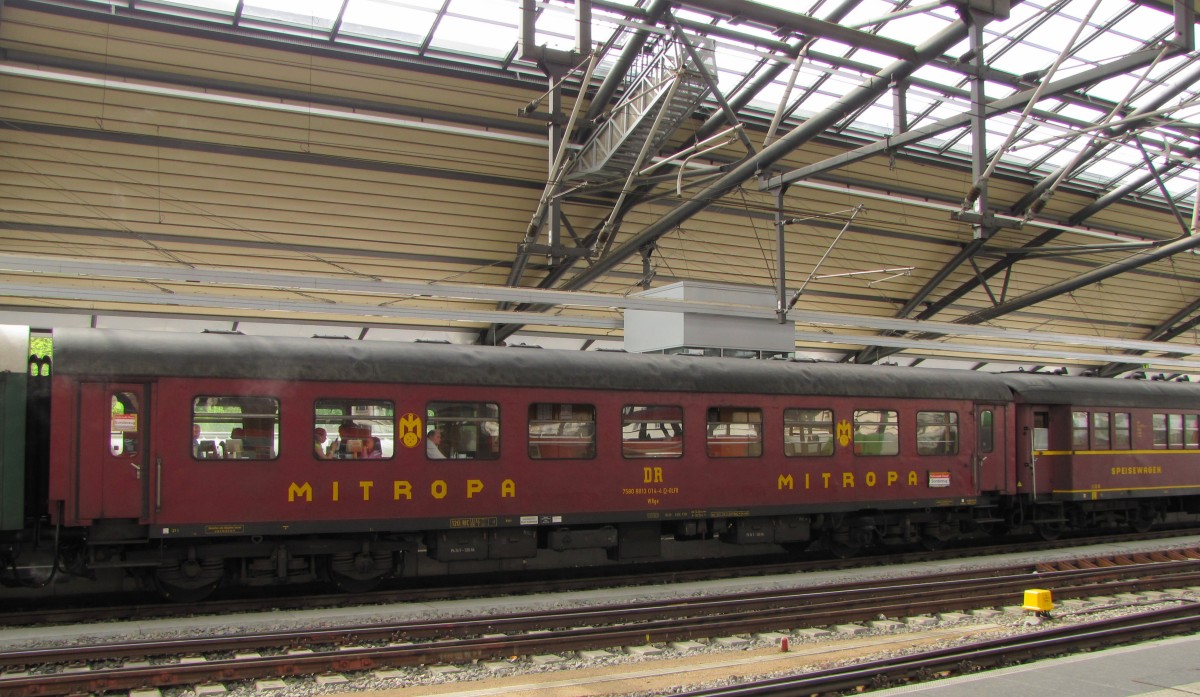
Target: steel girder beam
(1182, 244)
(1166, 331)
(916, 135)
(767, 74)
(786, 19)
(632, 48)
(1098, 145)
(864, 94)
(872, 354)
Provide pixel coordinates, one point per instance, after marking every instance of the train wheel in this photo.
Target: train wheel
(1142, 519)
(350, 584)
(359, 573)
(189, 581)
(933, 544)
(184, 594)
(936, 536)
(1050, 531)
(843, 543)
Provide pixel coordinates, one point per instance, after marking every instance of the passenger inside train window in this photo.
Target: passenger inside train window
(468, 430)
(365, 427)
(433, 445)
(319, 447)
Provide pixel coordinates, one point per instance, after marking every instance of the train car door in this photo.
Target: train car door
(990, 447)
(1033, 439)
(114, 435)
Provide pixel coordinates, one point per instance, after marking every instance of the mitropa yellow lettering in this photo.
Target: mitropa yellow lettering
(403, 490)
(847, 480)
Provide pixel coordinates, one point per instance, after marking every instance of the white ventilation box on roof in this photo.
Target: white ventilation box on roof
(652, 331)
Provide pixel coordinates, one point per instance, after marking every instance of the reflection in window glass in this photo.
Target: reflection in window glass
(469, 430)
(876, 432)
(807, 432)
(1175, 431)
(1121, 439)
(123, 436)
(1189, 430)
(1100, 431)
(652, 431)
(562, 431)
(1079, 430)
(734, 432)
(1041, 430)
(987, 431)
(354, 429)
(1159, 422)
(937, 433)
(236, 427)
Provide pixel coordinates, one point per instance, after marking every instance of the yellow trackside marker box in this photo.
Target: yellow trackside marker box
(1038, 600)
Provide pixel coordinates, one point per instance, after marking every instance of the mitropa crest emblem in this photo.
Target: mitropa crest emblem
(410, 430)
(843, 432)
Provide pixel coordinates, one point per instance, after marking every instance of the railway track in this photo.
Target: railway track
(971, 657)
(459, 640)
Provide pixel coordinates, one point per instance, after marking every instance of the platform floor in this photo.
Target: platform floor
(1163, 668)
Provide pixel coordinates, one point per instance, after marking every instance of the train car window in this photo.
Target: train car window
(467, 430)
(241, 427)
(987, 431)
(1189, 431)
(1041, 430)
(876, 432)
(562, 431)
(1079, 430)
(652, 431)
(937, 433)
(807, 432)
(1101, 438)
(1159, 422)
(354, 429)
(1121, 439)
(1175, 431)
(123, 439)
(734, 432)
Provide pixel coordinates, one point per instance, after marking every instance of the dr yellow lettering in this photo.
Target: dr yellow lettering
(827, 480)
(401, 490)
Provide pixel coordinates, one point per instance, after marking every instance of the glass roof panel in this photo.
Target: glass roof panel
(485, 33)
(487, 38)
(316, 14)
(211, 5)
(407, 22)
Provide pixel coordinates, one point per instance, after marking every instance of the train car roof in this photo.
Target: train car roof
(112, 354)
(1036, 388)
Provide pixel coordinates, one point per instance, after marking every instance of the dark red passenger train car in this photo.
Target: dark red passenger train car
(192, 460)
